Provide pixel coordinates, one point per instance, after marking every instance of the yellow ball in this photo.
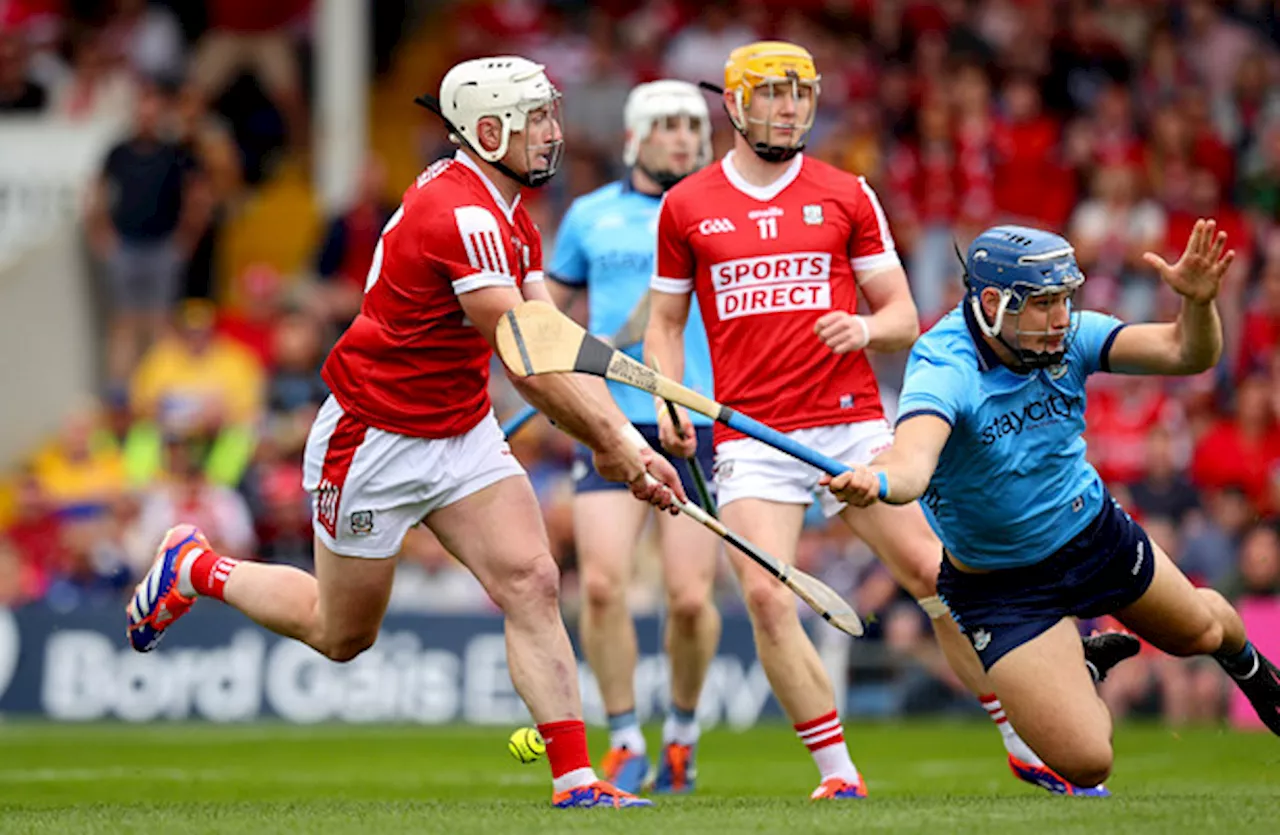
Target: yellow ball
(527, 745)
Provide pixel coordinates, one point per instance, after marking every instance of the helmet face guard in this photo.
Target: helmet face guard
(552, 151)
(513, 90)
(762, 69)
(1022, 264)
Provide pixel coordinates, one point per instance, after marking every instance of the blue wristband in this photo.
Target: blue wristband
(884, 486)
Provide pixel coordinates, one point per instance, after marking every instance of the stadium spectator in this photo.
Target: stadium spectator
(347, 250)
(253, 35)
(148, 38)
(100, 87)
(1260, 334)
(90, 566)
(18, 93)
(186, 494)
(197, 380)
(1031, 183)
(33, 538)
(696, 52)
(250, 318)
(142, 224)
(1240, 452)
(923, 198)
(1163, 490)
(208, 141)
(83, 468)
(1111, 230)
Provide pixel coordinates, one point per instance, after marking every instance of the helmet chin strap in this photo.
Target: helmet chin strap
(664, 179)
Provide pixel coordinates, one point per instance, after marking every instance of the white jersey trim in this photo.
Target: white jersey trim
(508, 210)
(886, 236)
(481, 280)
(762, 193)
(674, 286)
(482, 239)
(534, 275)
(875, 263)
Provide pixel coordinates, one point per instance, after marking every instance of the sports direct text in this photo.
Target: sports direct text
(772, 283)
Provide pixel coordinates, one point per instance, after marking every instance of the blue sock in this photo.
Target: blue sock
(682, 715)
(1239, 665)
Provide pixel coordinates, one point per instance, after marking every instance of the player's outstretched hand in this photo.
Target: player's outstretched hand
(664, 483)
(682, 443)
(1198, 273)
(859, 487)
(842, 332)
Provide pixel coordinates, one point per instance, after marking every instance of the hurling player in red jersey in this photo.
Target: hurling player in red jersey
(776, 246)
(409, 436)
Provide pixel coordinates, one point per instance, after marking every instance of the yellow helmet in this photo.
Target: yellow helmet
(765, 63)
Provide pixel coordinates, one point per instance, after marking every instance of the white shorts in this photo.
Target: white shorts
(750, 469)
(369, 486)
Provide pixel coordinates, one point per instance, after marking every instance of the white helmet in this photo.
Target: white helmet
(507, 88)
(656, 100)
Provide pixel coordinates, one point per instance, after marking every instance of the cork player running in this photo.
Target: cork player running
(409, 435)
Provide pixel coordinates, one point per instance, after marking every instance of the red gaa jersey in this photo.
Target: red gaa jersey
(410, 363)
(766, 264)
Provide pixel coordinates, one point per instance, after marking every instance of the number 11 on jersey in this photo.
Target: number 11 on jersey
(768, 227)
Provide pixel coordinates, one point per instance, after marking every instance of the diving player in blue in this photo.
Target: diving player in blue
(990, 439)
(605, 247)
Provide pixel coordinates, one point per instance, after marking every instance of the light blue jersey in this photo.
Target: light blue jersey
(606, 245)
(1012, 485)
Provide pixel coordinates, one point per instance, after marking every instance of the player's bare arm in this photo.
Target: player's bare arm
(893, 324)
(905, 469)
(585, 412)
(1192, 343)
(664, 344)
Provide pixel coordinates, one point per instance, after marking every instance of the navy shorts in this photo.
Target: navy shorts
(587, 480)
(1105, 567)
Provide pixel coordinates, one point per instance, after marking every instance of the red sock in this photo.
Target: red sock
(566, 746)
(209, 573)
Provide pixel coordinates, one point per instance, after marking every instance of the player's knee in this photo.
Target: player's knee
(533, 584)
(769, 603)
(1090, 770)
(685, 608)
(602, 589)
(919, 578)
(345, 647)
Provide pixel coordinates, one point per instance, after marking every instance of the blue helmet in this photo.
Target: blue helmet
(1020, 262)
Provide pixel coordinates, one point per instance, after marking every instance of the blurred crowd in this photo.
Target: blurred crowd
(1117, 122)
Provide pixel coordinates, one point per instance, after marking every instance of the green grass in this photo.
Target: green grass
(924, 778)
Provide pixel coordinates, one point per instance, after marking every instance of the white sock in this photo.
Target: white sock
(824, 737)
(680, 728)
(624, 732)
(574, 779)
(1012, 742)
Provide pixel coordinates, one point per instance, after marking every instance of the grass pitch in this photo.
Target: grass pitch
(923, 778)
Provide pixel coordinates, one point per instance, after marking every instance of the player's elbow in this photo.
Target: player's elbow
(902, 333)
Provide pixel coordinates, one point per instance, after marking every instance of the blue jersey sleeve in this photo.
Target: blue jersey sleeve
(1091, 345)
(933, 385)
(568, 257)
